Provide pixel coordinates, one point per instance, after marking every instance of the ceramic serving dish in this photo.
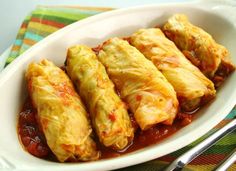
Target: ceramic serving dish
(216, 18)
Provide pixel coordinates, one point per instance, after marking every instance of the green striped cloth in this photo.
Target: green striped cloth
(46, 20)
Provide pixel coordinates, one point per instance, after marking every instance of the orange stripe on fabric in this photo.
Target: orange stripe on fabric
(48, 22)
(208, 159)
(15, 48)
(200, 160)
(29, 42)
(24, 25)
(223, 123)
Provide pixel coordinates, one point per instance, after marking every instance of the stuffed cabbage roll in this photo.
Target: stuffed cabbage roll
(199, 47)
(60, 112)
(108, 113)
(191, 86)
(148, 94)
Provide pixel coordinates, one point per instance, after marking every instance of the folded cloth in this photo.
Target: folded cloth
(45, 20)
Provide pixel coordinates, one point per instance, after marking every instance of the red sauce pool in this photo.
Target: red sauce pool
(34, 141)
(30, 135)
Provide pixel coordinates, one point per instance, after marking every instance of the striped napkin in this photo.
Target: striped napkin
(45, 20)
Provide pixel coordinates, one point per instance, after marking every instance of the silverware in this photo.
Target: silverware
(187, 157)
(227, 162)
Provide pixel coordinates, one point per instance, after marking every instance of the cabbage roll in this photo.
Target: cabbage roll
(60, 113)
(108, 113)
(148, 94)
(191, 86)
(199, 47)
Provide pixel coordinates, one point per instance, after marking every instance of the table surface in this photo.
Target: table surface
(12, 12)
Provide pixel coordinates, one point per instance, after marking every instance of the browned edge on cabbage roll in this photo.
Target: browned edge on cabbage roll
(200, 48)
(192, 87)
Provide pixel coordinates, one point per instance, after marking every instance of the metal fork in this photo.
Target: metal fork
(187, 157)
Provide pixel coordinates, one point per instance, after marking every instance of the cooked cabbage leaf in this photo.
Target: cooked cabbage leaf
(60, 112)
(108, 113)
(191, 86)
(199, 47)
(148, 94)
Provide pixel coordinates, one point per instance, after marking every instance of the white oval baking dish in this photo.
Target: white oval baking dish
(93, 31)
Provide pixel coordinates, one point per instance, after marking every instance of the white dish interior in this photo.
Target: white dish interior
(93, 31)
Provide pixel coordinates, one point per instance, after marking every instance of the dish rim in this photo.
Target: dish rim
(131, 157)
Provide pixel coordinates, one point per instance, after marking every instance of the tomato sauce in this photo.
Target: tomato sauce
(34, 141)
(30, 135)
